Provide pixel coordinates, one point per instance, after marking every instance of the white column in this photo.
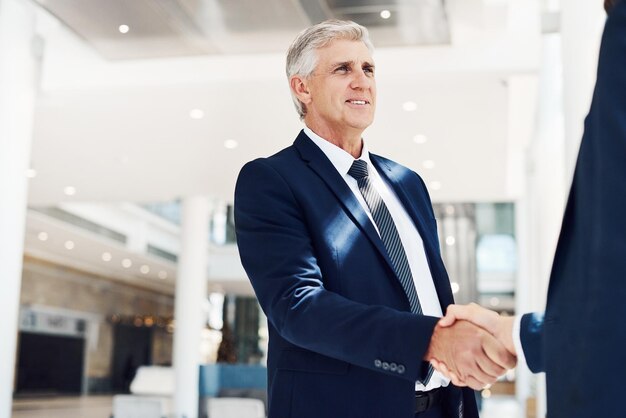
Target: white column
(581, 28)
(191, 292)
(17, 96)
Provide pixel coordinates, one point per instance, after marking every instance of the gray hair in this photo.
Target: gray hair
(302, 54)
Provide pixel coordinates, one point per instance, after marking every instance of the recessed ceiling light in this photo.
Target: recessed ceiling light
(429, 164)
(494, 301)
(231, 143)
(123, 29)
(69, 191)
(435, 185)
(455, 287)
(69, 245)
(409, 106)
(162, 275)
(126, 263)
(420, 139)
(145, 269)
(31, 173)
(385, 14)
(43, 236)
(106, 256)
(196, 114)
(450, 241)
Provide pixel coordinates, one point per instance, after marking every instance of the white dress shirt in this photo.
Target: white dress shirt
(409, 235)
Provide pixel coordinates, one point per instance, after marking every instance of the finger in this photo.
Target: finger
(475, 384)
(441, 368)
(456, 381)
(453, 313)
(489, 368)
(457, 312)
(498, 353)
(447, 320)
(479, 374)
(475, 314)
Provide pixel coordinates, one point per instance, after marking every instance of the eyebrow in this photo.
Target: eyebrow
(350, 63)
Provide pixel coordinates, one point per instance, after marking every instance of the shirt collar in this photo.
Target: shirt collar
(339, 158)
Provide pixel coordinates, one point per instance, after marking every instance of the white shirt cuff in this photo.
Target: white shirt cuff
(517, 340)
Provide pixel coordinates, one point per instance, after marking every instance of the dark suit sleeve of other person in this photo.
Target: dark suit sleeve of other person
(580, 341)
(293, 242)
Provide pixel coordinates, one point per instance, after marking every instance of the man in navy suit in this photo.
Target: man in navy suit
(341, 248)
(580, 341)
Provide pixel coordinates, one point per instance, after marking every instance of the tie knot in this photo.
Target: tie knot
(358, 169)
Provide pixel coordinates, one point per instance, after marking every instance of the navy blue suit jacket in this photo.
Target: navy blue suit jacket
(581, 342)
(343, 342)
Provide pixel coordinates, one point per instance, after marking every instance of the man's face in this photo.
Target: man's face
(342, 89)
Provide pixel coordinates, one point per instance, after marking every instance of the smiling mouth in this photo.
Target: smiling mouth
(358, 102)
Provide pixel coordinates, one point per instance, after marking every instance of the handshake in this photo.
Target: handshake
(472, 346)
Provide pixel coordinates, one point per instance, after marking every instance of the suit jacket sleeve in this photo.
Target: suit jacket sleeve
(531, 333)
(278, 255)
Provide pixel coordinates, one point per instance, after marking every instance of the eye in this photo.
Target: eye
(342, 68)
(368, 70)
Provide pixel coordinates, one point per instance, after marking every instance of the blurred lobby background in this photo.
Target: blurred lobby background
(124, 123)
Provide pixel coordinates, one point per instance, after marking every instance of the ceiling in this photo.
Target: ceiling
(168, 28)
(121, 130)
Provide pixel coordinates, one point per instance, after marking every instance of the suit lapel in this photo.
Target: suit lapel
(318, 161)
(395, 177)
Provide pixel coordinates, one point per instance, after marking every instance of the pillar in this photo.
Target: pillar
(191, 293)
(17, 96)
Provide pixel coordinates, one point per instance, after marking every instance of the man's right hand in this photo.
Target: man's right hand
(473, 355)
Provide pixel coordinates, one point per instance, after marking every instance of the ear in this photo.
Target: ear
(300, 88)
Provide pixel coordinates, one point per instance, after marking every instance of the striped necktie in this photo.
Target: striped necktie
(390, 238)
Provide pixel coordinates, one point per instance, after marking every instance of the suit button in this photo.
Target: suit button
(401, 369)
(385, 365)
(378, 363)
(393, 367)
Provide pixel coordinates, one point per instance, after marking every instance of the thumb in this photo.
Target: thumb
(450, 318)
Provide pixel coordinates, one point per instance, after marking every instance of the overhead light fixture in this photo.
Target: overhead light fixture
(69, 191)
(450, 241)
(435, 185)
(162, 275)
(429, 164)
(420, 139)
(69, 245)
(31, 173)
(43, 236)
(123, 29)
(231, 144)
(145, 269)
(385, 14)
(409, 106)
(106, 256)
(126, 263)
(494, 301)
(196, 114)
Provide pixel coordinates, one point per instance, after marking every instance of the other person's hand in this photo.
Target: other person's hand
(470, 355)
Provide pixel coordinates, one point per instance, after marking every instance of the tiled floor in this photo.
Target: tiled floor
(70, 407)
(100, 407)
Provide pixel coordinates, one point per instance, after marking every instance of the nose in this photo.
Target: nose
(361, 80)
